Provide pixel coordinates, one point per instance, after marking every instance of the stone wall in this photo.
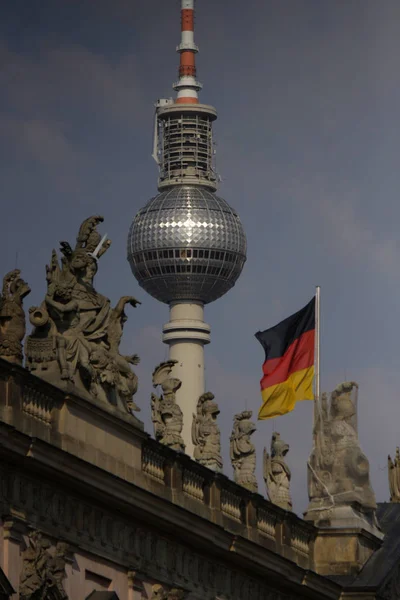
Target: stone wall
(132, 512)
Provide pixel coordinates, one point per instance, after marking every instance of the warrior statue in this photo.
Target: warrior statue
(12, 317)
(243, 452)
(206, 434)
(338, 470)
(166, 415)
(394, 477)
(277, 474)
(77, 334)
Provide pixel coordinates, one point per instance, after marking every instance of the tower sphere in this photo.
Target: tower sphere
(185, 244)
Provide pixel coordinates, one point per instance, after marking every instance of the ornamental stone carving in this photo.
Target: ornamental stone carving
(338, 472)
(394, 477)
(166, 415)
(77, 333)
(277, 474)
(12, 316)
(243, 452)
(161, 592)
(206, 435)
(42, 572)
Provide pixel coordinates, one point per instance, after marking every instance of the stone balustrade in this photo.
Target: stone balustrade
(113, 441)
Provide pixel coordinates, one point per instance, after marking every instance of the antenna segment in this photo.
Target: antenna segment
(183, 139)
(187, 86)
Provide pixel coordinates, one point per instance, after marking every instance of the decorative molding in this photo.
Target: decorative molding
(121, 540)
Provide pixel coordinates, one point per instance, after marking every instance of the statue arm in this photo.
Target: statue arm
(122, 303)
(69, 307)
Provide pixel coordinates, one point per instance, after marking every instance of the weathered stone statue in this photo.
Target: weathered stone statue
(161, 592)
(42, 573)
(166, 415)
(12, 316)
(77, 334)
(243, 452)
(206, 435)
(394, 477)
(277, 474)
(338, 474)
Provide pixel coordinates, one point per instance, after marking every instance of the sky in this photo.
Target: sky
(308, 147)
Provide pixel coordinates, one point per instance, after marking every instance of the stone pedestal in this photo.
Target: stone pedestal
(347, 537)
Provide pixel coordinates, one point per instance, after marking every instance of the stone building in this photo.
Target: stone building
(91, 505)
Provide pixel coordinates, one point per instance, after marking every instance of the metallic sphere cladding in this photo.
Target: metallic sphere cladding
(186, 244)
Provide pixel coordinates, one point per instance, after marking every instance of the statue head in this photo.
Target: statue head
(207, 406)
(243, 424)
(19, 288)
(63, 290)
(279, 448)
(99, 357)
(170, 386)
(15, 286)
(342, 405)
(158, 592)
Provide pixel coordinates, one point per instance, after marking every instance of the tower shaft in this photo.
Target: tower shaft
(186, 335)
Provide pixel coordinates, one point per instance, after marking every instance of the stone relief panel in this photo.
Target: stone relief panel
(42, 572)
(132, 546)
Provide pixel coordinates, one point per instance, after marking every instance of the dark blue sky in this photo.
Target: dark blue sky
(308, 148)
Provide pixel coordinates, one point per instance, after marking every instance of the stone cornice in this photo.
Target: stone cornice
(119, 496)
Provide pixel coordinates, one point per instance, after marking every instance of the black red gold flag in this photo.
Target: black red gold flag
(289, 363)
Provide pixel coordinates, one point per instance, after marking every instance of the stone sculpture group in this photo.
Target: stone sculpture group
(77, 333)
(75, 345)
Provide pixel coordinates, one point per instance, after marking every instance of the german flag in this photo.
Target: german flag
(289, 363)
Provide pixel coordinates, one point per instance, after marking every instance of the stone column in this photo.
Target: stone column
(186, 334)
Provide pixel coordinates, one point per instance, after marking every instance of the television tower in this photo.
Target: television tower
(186, 246)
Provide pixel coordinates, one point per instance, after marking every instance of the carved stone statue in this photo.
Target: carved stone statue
(243, 452)
(12, 316)
(277, 474)
(394, 477)
(338, 472)
(206, 434)
(77, 334)
(162, 592)
(166, 414)
(42, 572)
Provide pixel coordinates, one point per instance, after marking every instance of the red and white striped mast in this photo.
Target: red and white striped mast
(187, 86)
(183, 140)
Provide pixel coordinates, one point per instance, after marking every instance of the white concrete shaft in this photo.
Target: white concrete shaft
(186, 334)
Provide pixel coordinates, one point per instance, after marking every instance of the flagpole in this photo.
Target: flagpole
(317, 341)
